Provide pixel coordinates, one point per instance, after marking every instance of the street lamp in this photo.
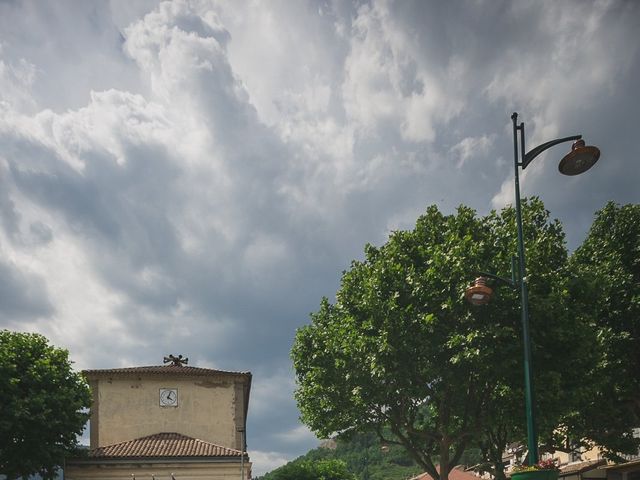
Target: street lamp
(579, 160)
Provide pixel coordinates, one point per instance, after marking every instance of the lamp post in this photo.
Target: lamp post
(579, 160)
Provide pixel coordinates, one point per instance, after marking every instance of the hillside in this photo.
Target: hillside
(369, 459)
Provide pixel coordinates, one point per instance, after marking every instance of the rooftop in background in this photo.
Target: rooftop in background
(456, 473)
(631, 465)
(581, 467)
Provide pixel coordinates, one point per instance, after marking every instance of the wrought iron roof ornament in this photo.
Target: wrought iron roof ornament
(178, 361)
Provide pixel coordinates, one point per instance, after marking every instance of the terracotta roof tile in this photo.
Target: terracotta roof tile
(456, 473)
(630, 465)
(162, 370)
(163, 445)
(580, 467)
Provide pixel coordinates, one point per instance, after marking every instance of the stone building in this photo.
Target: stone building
(166, 422)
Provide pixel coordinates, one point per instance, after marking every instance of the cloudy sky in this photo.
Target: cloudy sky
(192, 177)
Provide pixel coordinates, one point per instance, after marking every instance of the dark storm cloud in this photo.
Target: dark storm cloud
(23, 295)
(9, 217)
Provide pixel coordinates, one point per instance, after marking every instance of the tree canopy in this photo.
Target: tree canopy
(43, 405)
(400, 346)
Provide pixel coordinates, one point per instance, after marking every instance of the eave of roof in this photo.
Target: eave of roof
(622, 466)
(164, 445)
(581, 467)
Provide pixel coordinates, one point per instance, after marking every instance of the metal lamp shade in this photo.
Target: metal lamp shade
(580, 159)
(478, 293)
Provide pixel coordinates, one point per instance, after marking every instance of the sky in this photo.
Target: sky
(193, 177)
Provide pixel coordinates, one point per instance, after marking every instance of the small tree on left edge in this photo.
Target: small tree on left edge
(43, 405)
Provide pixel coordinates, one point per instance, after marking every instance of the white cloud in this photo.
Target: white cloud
(265, 461)
(16, 80)
(472, 147)
(389, 81)
(297, 435)
(268, 391)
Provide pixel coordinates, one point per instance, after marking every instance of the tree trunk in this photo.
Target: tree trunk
(444, 459)
(498, 471)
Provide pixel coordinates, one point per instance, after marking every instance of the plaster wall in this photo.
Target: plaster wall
(592, 454)
(129, 408)
(160, 471)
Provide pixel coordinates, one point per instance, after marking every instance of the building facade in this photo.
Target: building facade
(173, 421)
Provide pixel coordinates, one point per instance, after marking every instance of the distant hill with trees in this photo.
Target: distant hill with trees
(367, 458)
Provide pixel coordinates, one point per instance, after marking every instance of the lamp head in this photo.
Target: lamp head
(478, 293)
(580, 159)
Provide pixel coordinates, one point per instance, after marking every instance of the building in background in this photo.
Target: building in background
(166, 422)
(581, 463)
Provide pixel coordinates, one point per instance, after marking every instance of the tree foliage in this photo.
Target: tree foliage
(401, 348)
(607, 294)
(43, 405)
(311, 470)
(561, 341)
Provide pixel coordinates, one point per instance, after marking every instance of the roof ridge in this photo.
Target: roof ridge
(152, 436)
(163, 369)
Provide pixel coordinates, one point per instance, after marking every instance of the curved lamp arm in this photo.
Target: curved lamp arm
(512, 282)
(497, 278)
(533, 153)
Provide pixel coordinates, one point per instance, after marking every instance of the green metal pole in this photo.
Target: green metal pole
(532, 436)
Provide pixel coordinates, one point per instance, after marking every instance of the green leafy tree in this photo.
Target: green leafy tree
(43, 405)
(561, 341)
(401, 348)
(311, 470)
(607, 293)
